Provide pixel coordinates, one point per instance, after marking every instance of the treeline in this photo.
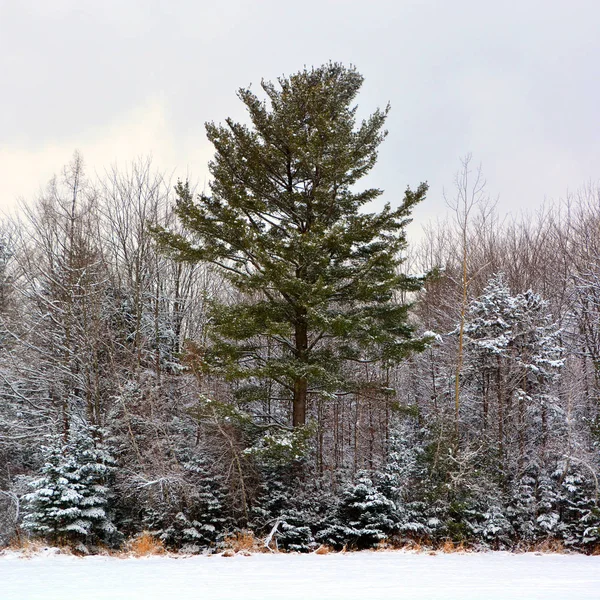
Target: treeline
(273, 359)
(110, 424)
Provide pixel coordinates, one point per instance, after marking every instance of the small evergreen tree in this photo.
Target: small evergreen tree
(290, 508)
(496, 529)
(95, 466)
(295, 530)
(548, 520)
(69, 501)
(208, 502)
(363, 517)
(53, 508)
(580, 514)
(399, 479)
(194, 519)
(522, 508)
(284, 499)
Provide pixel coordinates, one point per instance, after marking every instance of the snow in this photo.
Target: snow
(364, 575)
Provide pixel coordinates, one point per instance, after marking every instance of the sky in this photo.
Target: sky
(516, 84)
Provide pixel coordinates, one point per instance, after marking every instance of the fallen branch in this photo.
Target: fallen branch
(270, 536)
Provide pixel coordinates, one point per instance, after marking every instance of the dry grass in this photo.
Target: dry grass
(18, 543)
(28, 547)
(449, 547)
(145, 544)
(243, 541)
(416, 544)
(548, 546)
(385, 545)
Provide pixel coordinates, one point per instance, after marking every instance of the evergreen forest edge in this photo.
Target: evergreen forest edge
(262, 358)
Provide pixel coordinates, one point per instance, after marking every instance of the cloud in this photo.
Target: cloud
(145, 131)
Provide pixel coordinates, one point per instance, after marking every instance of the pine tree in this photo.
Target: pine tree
(69, 501)
(522, 507)
(208, 508)
(291, 507)
(548, 508)
(363, 517)
(496, 529)
(194, 517)
(580, 514)
(53, 508)
(317, 275)
(514, 357)
(398, 479)
(285, 504)
(95, 466)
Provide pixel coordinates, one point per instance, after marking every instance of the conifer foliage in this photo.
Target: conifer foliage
(264, 388)
(363, 517)
(69, 501)
(318, 277)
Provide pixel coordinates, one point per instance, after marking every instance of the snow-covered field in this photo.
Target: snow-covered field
(364, 575)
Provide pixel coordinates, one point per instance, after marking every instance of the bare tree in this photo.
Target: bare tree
(470, 194)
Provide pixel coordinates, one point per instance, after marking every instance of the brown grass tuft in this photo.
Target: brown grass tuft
(27, 547)
(243, 540)
(449, 547)
(18, 543)
(595, 551)
(385, 544)
(145, 544)
(548, 546)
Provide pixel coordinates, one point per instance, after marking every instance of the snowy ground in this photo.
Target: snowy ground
(364, 575)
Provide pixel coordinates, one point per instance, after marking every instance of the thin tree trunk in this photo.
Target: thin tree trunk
(522, 422)
(461, 333)
(301, 383)
(500, 394)
(486, 399)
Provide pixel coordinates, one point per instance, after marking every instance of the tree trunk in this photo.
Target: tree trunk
(299, 412)
(500, 394)
(301, 383)
(522, 422)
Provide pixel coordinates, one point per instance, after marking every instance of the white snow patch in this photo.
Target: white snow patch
(394, 575)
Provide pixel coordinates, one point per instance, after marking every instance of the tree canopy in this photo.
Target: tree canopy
(317, 274)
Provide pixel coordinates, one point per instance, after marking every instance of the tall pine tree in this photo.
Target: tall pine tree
(318, 276)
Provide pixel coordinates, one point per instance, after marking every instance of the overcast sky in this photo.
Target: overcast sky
(515, 83)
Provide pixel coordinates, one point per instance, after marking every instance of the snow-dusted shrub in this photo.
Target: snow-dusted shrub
(69, 501)
(363, 518)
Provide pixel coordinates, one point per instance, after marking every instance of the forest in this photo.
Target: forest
(271, 359)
